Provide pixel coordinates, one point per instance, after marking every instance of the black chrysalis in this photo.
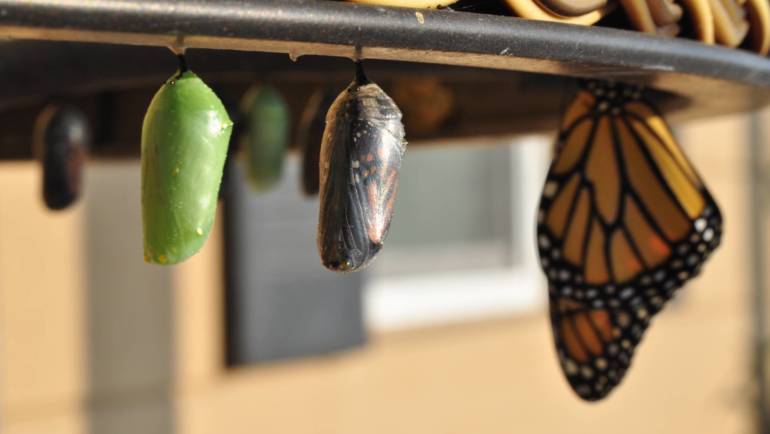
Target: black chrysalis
(62, 138)
(311, 132)
(360, 159)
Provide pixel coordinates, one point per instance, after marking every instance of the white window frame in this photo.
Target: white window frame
(420, 300)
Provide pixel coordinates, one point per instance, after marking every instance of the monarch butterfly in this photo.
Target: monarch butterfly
(185, 137)
(624, 221)
(311, 131)
(62, 137)
(360, 158)
(267, 136)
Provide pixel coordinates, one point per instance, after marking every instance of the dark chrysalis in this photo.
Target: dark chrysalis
(361, 154)
(311, 132)
(62, 139)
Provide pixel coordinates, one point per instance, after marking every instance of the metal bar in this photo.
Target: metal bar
(333, 28)
(758, 303)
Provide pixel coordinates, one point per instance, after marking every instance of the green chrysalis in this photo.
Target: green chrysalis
(267, 136)
(185, 137)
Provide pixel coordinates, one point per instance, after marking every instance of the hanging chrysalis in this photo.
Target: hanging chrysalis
(62, 139)
(311, 131)
(360, 159)
(267, 136)
(185, 136)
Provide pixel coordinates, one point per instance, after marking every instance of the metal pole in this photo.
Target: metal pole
(757, 237)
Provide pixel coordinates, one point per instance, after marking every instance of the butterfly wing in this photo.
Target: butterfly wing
(624, 221)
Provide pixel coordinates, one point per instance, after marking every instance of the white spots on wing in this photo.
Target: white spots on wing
(550, 189)
(600, 363)
(700, 224)
(642, 313)
(623, 319)
(627, 293)
(659, 276)
(586, 372)
(570, 367)
(544, 241)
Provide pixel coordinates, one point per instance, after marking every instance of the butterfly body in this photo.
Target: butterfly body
(624, 221)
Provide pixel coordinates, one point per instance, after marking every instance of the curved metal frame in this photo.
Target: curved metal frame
(704, 74)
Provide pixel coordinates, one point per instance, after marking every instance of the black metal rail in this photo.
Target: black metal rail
(706, 80)
(300, 27)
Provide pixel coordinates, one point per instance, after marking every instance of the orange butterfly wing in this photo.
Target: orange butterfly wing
(624, 221)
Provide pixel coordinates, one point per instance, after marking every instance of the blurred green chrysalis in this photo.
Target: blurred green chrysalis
(267, 136)
(185, 137)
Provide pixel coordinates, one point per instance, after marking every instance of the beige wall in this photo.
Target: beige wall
(155, 365)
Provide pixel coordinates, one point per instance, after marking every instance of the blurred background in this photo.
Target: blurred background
(446, 333)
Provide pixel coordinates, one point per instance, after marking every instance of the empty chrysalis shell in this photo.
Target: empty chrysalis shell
(185, 136)
(267, 136)
(310, 135)
(62, 139)
(360, 159)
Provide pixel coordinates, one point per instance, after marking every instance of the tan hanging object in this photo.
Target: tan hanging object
(730, 24)
(654, 16)
(758, 12)
(564, 11)
(702, 19)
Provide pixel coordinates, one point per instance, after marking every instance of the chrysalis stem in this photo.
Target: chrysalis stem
(182, 64)
(361, 78)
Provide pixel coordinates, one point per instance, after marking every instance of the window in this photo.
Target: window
(461, 245)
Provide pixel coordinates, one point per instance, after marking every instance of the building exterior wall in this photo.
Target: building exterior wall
(80, 354)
